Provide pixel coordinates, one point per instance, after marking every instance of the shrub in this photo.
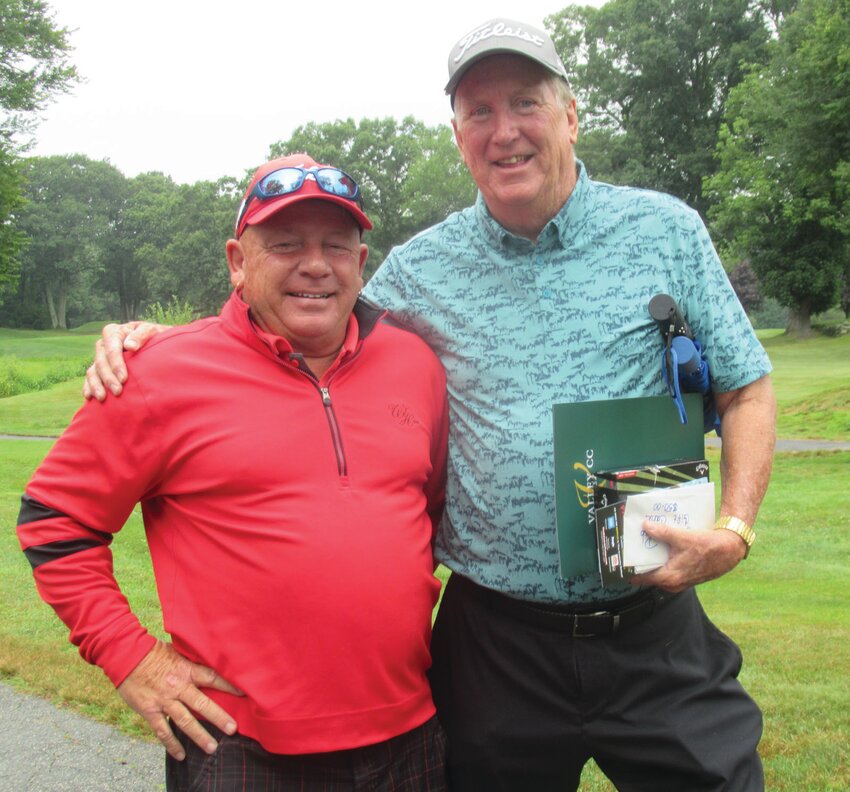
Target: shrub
(175, 312)
(17, 377)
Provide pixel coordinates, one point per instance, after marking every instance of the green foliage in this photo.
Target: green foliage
(16, 377)
(651, 78)
(100, 244)
(44, 413)
(144, 226)
(72, 205)
(169, 240)
(609, 157)
(30, 363)
(437, 182)
(411, 175)
(770, 314)
(193, 263)
(745, 282)
(781, 193)
(33, 67)
(174, 312)
(33, 59)
(99, 241)
(11, 239)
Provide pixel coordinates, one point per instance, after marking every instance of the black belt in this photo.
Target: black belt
(581, 621)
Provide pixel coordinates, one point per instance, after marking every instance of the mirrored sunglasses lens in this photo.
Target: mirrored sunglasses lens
(281, 182)
(336, 182)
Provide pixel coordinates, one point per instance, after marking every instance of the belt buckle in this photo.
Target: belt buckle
(615, 623)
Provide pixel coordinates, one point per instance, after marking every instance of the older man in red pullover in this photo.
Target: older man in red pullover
(289, 457)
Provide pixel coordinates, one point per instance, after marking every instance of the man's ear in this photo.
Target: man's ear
(572, 119)
(458, 140)
(364, 254)
(235, 262)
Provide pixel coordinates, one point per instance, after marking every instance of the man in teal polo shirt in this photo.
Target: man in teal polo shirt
(538, 294)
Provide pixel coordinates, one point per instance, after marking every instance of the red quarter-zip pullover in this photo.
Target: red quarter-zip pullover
(289, 523)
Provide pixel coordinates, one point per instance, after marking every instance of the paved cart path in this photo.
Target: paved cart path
(47, 749)
(783, 446)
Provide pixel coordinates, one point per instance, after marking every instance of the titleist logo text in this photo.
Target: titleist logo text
(486, 31)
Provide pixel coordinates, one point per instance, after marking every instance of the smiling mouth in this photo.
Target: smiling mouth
(515, 160)
(307, 296)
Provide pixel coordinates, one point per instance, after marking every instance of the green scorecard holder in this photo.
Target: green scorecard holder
(606, 435)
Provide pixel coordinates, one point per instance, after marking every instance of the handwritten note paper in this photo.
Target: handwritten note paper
(689, 507)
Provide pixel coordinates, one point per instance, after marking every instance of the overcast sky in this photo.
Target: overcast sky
(200, 90)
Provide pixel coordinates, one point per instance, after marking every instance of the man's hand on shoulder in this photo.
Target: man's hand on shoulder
(108, 370)
(166, 685)
(695, 557)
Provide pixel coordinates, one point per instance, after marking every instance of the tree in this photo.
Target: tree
(651, 77)
(33, 68)
(193, 264)
(782, 192)
(99, 242)
(383, 155)
(169, 244)
(745, 282)
(145, 227)
(11, 239)
(72, 206)
(438, 182)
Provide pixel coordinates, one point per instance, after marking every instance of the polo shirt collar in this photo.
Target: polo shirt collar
(283, 349)
(236, 311)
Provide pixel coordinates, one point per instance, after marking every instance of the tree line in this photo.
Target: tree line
(99, 244)
(741, 108)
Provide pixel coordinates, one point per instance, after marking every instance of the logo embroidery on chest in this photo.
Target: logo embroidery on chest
(402, 414)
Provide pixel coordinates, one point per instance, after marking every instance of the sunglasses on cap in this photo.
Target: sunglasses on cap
(291, 179)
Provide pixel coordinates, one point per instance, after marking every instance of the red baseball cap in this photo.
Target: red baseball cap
(256, 208)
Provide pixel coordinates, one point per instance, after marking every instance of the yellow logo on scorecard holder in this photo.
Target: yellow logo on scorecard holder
(584, 485)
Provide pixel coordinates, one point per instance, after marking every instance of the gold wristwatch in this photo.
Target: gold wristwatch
(739, 527)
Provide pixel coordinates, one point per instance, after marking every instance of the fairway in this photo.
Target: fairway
(785, 606)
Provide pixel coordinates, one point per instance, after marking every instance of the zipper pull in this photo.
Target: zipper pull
(326, 397)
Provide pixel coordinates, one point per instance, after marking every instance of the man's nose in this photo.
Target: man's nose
(314, 261)
(505, 130)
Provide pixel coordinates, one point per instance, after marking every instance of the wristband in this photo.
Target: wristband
(737, 526)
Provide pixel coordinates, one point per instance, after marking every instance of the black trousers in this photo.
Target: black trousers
(525, 704)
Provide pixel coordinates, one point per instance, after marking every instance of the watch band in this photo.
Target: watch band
(739, 527)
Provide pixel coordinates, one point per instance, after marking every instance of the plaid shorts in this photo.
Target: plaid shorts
(411, 762)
